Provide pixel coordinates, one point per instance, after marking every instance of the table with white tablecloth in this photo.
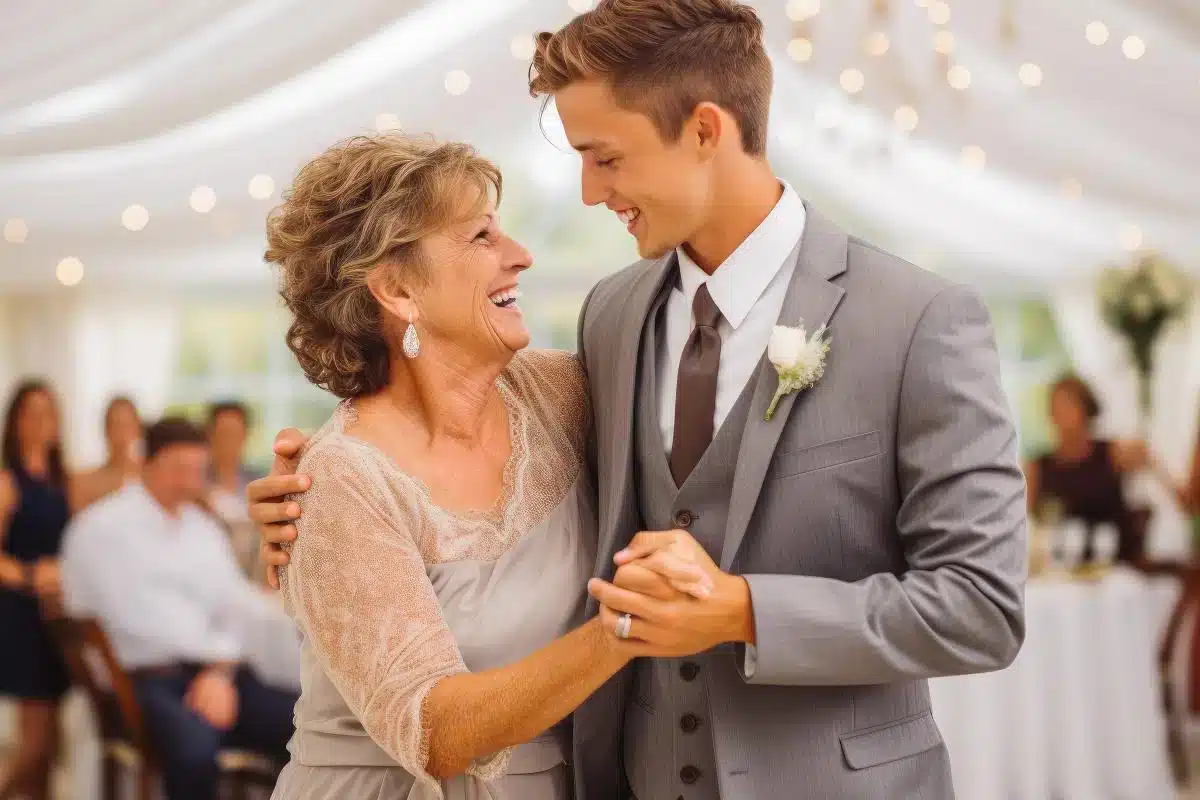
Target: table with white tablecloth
(1078, 715)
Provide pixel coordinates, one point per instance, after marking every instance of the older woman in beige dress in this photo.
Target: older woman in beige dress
(446, 542)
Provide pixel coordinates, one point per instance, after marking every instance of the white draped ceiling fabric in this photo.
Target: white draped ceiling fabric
(172, 107)
(128, 102)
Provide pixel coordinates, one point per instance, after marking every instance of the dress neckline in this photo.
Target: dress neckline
(497, 516)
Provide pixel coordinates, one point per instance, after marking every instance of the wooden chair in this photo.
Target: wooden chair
(126, 746)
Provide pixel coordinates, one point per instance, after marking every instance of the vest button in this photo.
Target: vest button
(689, 774)
(684, 519)
(688, 723)
(688, 670)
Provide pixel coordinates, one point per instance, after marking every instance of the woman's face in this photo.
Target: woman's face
(124, 430)
(1067, 412)
(470, 300)
(37, 421)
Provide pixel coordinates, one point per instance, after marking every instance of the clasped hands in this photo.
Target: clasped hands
(680, 602)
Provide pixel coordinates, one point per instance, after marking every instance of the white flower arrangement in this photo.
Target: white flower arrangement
(798, 359)
(1138, 303)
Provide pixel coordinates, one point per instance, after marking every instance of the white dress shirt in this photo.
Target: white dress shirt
(748, 288)
(166, 589)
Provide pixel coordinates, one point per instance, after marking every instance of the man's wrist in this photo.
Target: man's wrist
(741, 618)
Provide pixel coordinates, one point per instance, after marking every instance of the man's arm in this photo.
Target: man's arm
(959, 608)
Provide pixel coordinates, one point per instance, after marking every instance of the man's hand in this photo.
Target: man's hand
(269, 507)
(675, 624)
(213, 696)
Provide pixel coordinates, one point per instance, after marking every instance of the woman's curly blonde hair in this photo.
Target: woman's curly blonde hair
(364, 202)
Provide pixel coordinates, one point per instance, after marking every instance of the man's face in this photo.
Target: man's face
(180, 471)
(660, 190)
(228, 435)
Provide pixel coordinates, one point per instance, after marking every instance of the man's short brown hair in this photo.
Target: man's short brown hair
(665, 57)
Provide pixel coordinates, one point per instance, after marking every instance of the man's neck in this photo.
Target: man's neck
(748, 191)
(171, 506)
(228, 472)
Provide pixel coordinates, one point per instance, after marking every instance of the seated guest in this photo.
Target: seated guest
(228, 427)
(1083, 474)
(160, 577)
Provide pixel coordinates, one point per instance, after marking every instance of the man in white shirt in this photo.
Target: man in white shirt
(158, 573)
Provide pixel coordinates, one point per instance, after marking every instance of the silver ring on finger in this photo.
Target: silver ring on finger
(624, 625)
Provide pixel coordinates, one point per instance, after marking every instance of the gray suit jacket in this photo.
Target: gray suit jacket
(879, 520)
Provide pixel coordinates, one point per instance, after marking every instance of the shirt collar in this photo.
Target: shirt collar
(742, 278)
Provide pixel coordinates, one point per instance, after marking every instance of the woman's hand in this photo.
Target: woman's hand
(47, 579)
(1130, 455)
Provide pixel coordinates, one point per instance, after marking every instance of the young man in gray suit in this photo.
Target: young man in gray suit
(869, 535)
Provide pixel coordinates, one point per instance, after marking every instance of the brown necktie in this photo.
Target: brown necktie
(696, 390)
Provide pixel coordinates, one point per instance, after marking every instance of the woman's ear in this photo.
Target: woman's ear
(393, 298)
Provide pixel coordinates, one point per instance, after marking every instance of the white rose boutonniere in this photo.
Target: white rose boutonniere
(799, 359)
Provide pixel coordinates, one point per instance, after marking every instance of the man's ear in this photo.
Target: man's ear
(707, 127)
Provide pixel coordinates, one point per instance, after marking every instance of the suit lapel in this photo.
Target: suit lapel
(811, 298)
(617, 486)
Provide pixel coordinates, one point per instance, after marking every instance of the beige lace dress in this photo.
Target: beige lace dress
(393, 593)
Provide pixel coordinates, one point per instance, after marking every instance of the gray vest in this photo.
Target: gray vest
(668, 741)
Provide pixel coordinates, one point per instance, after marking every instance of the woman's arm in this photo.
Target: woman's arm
(1129, 455)
(12, 572)
(358, 586)
(1031, 485)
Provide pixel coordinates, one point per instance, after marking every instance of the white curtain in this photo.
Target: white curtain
(125, 345)
(1100, 356)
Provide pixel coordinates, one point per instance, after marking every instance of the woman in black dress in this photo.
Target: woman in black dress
(1084, 474)
(33, 514)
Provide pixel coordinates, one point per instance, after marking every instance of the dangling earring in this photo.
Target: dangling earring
(412, 343)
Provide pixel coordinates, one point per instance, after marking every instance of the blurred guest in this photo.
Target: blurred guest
(158, 573)
(228, 429)
(123, 435)
(33, 514)
(1083, 474)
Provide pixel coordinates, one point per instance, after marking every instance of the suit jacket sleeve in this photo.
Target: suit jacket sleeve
(958, 608)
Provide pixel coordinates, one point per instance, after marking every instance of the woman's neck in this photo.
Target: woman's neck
(120, 462)
(1074, 445)
(453, 396)
(228, 473)
(35, 461)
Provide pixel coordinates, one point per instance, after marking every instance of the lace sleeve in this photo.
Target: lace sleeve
(358, 588)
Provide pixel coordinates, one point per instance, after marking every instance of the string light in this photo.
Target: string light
(1097, 33)
(69, 271)
(261, 187)
(943, 42)
(853, 80)
(457, 82)
(923, 3)
(16, 231)
(974, 158)
(800, 50)
(800, 10)
(1031, 75)
(1072, 188)
(939, 13)
(959, 77)
(906, 118)
(522, 48)
(877, 44)
(135, 217)
(387, 122)
(1133, 47)
(203, 199)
